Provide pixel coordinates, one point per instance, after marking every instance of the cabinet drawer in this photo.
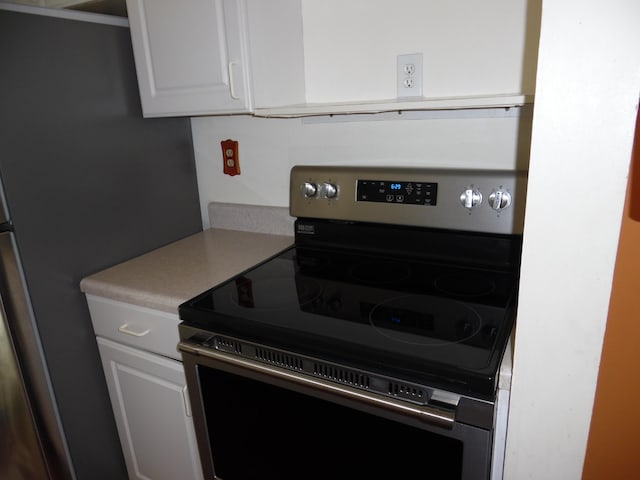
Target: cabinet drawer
(139, 327)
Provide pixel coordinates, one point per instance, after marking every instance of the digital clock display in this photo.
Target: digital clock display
(405, 192)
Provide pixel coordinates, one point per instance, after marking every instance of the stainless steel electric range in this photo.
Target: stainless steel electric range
(371, 347)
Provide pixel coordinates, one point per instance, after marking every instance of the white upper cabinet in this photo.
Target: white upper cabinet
(191, 56)
(276, 50)
(474, 54)
(309, 57)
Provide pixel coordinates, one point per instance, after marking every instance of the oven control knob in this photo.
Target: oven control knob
(309, 189)
(330, 190)
(471, 197)
(499, 200)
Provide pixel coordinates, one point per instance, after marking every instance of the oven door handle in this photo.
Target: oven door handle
(424, 413)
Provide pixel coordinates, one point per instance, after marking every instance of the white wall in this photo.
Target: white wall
(587, 94)
(469, 48)
(268, 148)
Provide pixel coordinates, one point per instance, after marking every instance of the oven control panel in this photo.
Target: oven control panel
(395, 191)
(472, 200)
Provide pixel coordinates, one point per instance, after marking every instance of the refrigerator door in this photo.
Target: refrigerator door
(31, 443)
(19, 447)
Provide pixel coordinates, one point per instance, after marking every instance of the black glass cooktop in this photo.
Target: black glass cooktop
(441, 325)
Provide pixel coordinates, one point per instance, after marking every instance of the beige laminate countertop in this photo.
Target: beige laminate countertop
(164, 278)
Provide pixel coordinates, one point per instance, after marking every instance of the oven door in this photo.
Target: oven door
(255, 421)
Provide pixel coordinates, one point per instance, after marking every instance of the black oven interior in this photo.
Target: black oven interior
(371, 348)
(260, 422)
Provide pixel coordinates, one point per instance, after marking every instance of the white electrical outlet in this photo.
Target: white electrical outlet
(409, 75)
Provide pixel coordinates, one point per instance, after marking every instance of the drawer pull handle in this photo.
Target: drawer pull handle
(125, 329)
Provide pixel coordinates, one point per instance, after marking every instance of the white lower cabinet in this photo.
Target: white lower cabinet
(149, 398)
(147, 387)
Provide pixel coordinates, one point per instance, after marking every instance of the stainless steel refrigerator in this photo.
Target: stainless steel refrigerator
(86, 183)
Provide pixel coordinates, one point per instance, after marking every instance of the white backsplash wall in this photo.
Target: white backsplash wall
(269, 147)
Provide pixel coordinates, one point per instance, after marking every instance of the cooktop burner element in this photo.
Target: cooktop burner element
(406, 273)
(420, 321)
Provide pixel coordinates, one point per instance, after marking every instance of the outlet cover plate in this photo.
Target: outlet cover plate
(409, 75)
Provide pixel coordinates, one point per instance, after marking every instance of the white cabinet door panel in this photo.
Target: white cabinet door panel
(190, 56)
(148, 395)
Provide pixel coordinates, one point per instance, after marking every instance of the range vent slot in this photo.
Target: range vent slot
(280, 359)
(407, 392)
(342, 375)
(228, 345)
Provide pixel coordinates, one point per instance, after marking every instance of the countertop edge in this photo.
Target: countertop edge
(166, 277)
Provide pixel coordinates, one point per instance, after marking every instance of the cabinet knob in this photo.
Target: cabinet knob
(232, 90)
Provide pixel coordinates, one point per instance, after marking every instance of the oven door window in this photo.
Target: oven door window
(261, 431)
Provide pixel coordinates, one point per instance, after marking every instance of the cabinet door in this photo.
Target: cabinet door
(149, 398)
(191, 56)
